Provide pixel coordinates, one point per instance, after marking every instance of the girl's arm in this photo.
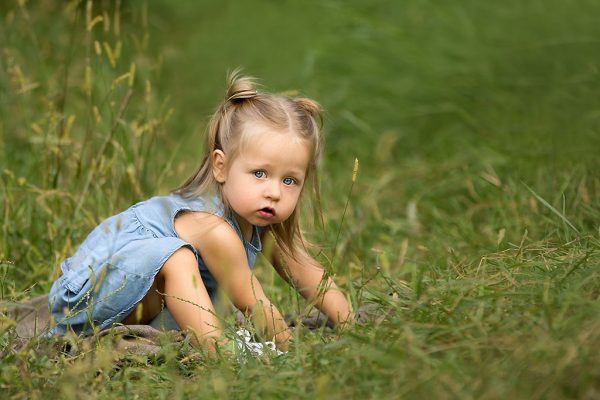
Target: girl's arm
(224, 255)
(305, 274)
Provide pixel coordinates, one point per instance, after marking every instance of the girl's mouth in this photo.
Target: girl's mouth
(266, 212)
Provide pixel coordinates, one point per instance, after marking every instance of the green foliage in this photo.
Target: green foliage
(473, 222)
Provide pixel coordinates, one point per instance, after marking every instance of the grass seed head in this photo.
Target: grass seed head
(355, 170)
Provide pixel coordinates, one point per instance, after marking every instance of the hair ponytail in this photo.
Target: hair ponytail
(240, 88)
(312, 107)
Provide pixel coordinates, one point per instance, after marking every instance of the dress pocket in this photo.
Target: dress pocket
(75, 279)
(81, 276)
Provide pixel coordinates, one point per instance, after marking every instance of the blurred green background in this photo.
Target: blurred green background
(514, 79)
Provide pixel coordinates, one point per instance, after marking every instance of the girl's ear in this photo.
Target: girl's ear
(218, 166)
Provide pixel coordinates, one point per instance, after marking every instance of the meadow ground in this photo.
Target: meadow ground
(474, 221)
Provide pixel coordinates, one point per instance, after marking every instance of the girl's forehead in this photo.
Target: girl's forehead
(276, 149)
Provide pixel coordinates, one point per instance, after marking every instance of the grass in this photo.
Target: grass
(473, 221)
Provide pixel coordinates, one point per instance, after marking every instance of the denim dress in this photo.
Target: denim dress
(115, 266)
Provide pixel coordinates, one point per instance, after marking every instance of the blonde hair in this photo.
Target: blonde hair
(244, 103)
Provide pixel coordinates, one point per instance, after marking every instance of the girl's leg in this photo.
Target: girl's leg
(150, 306)
(180, 285)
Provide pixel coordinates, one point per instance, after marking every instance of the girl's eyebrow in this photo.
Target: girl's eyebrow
(291, 171)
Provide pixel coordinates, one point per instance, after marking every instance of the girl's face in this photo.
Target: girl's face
(263, 183)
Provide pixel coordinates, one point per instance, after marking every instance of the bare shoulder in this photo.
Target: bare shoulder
(204, 230)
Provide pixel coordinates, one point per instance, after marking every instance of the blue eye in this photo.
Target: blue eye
(259, 174)
(289, 181)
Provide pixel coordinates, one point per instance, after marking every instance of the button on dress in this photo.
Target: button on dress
(115, 266)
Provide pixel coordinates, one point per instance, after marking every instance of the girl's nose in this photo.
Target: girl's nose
(273, 191)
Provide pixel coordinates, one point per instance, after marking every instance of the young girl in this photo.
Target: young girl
(177, 250)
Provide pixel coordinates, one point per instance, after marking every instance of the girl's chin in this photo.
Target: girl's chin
(263, 223)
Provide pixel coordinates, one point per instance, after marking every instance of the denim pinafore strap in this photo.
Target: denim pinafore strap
(115, 266)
